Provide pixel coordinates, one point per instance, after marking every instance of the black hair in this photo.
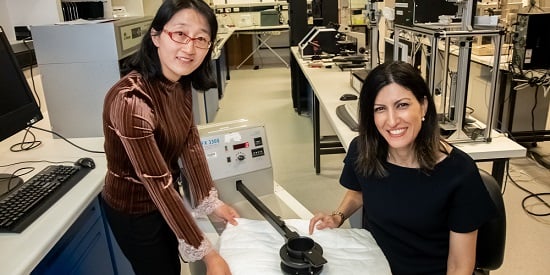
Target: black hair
(146, 60)
(373, 148)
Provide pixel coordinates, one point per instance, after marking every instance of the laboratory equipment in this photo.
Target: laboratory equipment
(79, 64)
(531, 41)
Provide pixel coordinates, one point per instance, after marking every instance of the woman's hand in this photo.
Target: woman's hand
(324, 221)
(215, 264)
(227, 213)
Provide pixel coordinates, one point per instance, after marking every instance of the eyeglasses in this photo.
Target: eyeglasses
(182, 38)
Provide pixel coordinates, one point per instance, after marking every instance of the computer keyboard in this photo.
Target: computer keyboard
(20, 207)
(348, 114)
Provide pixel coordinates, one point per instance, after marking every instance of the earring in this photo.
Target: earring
(423, 119)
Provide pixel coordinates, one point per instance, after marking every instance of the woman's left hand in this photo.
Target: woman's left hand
(227, 213)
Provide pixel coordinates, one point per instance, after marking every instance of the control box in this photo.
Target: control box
(531, 41)
(410, 12)
(237, 150)
(269, 17)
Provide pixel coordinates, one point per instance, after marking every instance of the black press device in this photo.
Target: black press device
(300, 254)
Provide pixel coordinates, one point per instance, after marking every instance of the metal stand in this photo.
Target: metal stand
(263, 42)
(453, 113)
(374, 17)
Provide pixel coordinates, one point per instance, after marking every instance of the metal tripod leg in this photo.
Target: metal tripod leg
(263, 42)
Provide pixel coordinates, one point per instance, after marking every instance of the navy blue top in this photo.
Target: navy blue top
(410, 213)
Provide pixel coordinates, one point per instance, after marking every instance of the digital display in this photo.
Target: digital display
(240, 145)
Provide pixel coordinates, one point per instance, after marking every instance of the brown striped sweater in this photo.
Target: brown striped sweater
(147, 127)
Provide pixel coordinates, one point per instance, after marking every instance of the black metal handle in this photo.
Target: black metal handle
(274, 220)
(311, 255)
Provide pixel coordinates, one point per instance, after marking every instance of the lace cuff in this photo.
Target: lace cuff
(208, 204)
(191, 254)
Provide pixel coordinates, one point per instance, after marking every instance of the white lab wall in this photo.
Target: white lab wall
(139, 7)
(27, 12)
(133, 7)
(5, 20)
(35, 12)
(30, 12)
(150, 7)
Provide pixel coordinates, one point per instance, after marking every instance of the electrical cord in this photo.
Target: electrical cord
(537, 196)
(13, 178)
(32, 74)
(28, 169)
(35, 161)
(68, 141)
(25, 145)
(531, 195)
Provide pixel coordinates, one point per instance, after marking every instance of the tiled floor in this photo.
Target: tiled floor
(264, 95)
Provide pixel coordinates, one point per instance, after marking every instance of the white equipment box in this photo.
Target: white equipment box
(237, 150)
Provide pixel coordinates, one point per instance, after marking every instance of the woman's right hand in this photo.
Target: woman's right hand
(321, 221)
(215, 264)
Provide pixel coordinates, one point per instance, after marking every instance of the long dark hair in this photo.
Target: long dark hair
(373, 148)
(146, 59)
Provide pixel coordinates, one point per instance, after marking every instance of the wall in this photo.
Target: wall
(150, 7)
(36, 12)
(5, 20)
(133, 7)
(139, 7)
(27, 12)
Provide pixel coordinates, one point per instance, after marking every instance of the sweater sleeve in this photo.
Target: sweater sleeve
(134, 122)
(195, 169)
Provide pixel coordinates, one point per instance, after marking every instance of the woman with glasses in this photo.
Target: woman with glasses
(151, 143)
(423, 199)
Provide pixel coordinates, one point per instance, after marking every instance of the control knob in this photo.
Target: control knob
(241, 157)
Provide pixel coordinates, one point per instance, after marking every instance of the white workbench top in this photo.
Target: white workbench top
(21, 252)
(329, 84)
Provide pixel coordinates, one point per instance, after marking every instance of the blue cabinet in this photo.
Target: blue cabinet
(84, 249)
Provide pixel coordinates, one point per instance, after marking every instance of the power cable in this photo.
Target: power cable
(68, 141)
(532, 195)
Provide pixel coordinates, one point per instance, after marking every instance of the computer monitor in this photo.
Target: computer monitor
(18, 107)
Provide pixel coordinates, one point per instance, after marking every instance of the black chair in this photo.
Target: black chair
(491, 237)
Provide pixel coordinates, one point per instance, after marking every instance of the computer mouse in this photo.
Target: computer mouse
(86, 162)
(346, 97)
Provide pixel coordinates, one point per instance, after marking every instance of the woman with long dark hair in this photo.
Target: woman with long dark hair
(423, 199)
(151, 142)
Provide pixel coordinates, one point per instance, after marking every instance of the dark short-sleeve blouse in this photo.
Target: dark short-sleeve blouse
(411, 213)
